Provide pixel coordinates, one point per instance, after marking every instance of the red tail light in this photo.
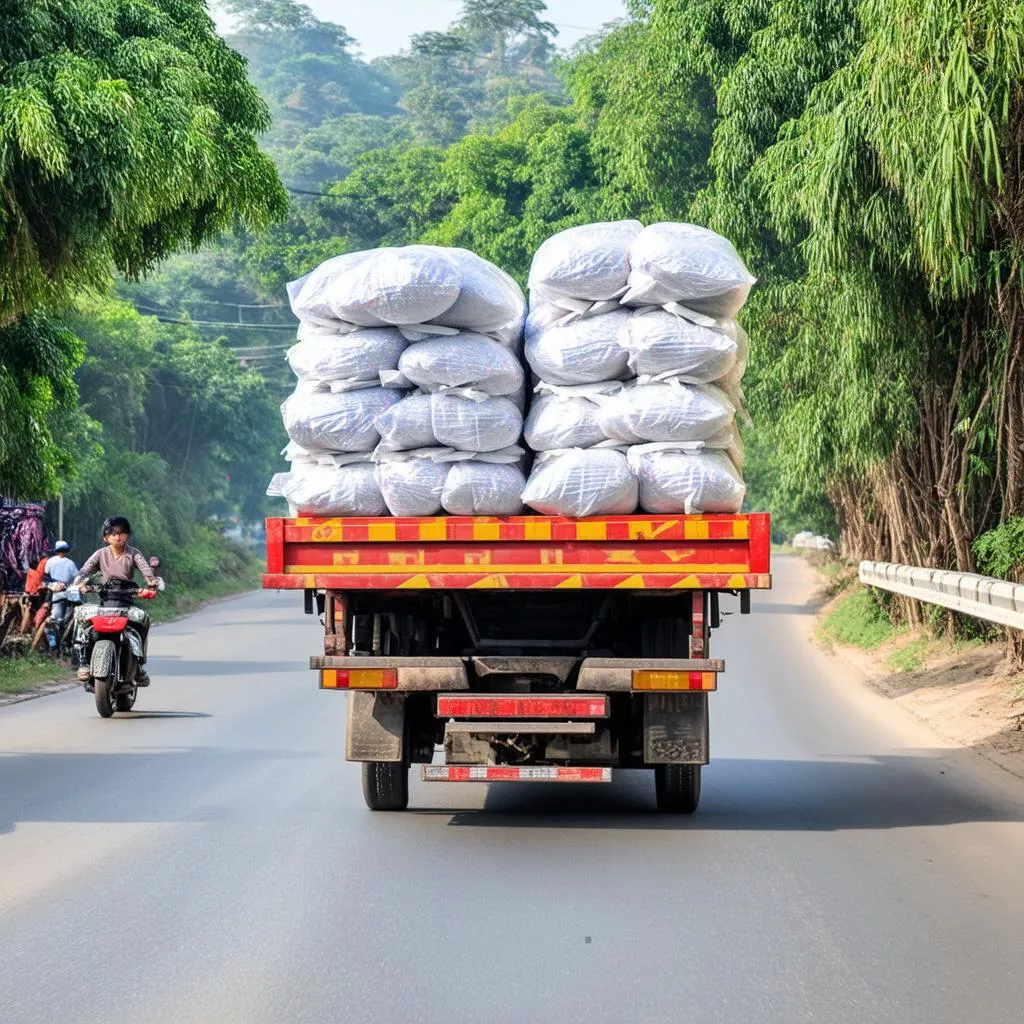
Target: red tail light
(358, 678)
(109, 623)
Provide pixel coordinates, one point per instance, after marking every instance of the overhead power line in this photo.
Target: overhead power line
(227, 325)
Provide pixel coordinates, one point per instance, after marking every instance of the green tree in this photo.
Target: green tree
(127, 130)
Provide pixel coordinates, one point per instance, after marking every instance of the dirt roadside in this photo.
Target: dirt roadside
(966, 694)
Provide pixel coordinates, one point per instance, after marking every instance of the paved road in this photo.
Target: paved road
(209, 859)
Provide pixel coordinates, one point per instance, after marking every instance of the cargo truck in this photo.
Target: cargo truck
(528, 648)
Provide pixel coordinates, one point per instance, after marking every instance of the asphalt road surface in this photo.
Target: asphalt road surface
(209, 858)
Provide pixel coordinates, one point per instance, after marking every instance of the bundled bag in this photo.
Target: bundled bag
(347, 490)
(668, 411)
(469, 361)
(361, 355)
(336, 422)
(408, 424)
(689, 265)
(490, 302)
(577, 482)
(410, 285)
(468, 425)
(415, 483)
(566, 417)
(423, 289)
(660, 343)
(480, 488)
(588, 263)
(582, 352)
(449, 420)
(412, 482)
(676, 480)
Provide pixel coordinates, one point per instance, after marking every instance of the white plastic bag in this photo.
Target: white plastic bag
(324, 421)
(477, 488)
(469, 361)
(589, 262)
(475, 426)
(662, 343)
(577, 483)
(691, 482)
(582, 352)
(349, 490)
(449, 420)
(668, 411)
(425, 289)
(361, 355)
(566, 417)
(410, 285)
(311, 296)
(412, 482)
(490, 302)
(408, 424)
(688, 264)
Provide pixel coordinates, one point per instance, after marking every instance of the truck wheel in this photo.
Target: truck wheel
(677, 787)
(386, 785)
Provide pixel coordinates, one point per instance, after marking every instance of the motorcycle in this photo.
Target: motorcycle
(111, 629)
(58, 635)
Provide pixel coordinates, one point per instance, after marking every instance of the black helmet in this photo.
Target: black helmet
(118, 523)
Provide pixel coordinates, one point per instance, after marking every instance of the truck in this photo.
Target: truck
(522, 649)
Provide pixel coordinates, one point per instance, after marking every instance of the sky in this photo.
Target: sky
(384, 26)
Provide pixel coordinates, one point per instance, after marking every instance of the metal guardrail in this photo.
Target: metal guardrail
(981, 596)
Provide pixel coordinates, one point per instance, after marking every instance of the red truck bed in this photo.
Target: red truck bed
(706, 552)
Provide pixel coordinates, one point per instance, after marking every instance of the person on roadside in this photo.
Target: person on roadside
(60, 568)
(118, 561)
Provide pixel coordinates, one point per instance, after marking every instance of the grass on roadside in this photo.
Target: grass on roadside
(912, 655)
(24, 674)
(859, 620)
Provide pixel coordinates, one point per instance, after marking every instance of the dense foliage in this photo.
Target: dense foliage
(128, 129)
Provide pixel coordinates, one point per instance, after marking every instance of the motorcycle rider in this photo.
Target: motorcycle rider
(117, 561)
(60, 568)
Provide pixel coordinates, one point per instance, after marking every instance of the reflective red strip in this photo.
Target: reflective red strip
(568, 705)
(511, 773)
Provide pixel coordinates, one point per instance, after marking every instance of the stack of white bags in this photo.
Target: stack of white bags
(632, 337)
(410, 390)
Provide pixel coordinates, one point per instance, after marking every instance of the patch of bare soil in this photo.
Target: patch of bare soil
(965, 693)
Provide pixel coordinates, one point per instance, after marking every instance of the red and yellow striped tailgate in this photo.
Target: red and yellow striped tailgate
(726, 552)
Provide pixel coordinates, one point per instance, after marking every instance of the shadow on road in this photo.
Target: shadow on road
(187, 667)
(171, 785)
(756, 795)
(164, 714)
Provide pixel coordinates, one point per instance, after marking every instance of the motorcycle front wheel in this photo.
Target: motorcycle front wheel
(103, 662)
(125, 700)
(105, 700)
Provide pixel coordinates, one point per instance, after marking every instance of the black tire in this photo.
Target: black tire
(126, 701)
(386, 785)
(104, 699)
(677, 787)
